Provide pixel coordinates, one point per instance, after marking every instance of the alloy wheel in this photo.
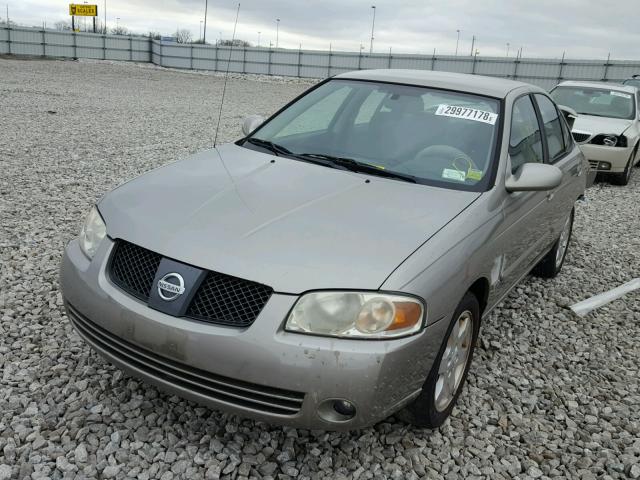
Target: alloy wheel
(563, 242)
(454, 361)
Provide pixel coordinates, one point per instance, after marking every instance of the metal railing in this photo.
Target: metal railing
(299, 63)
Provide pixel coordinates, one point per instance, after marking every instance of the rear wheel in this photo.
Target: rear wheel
(551, 264)
(446, 379)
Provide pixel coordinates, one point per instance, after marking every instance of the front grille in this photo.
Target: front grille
(229, 300)
(247, 395)
(221, 299)
(580, 137)
(133, 269)
(593, 164)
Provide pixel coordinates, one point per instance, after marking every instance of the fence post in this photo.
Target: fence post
(9, 38)
(130, 48)
(75, 47)
(161, 57)
(606, 68)
(104, 44)
(433, 60)
(390, 57)
(329, 63)
(515, 67)
(44, 43)
(299, 60)
(560, 70)
(473, 67)
(269, 69)
(360, 60)
(191, 58)
(244, 59)
(216, 66)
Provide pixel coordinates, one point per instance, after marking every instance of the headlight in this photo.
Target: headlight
(356, 315)
(610, 140)
(92, 233)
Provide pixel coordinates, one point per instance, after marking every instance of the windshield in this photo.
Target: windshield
(430, 136)
(601, 102)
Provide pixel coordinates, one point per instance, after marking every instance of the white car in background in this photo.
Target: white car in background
(607, 128)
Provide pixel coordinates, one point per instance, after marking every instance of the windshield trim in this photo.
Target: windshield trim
(494, 158)
(603, 88)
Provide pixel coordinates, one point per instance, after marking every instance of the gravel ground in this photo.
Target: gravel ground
(549, 395)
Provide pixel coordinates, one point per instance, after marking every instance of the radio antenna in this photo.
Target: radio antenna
(226, 77)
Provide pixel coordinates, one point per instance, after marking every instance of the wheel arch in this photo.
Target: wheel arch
(480, 288)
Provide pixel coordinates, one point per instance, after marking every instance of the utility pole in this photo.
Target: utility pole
(457, 42)
(200, 33)
(206, 5)
(105, 17)
(277, 31)
(373, 25)
(473, 44)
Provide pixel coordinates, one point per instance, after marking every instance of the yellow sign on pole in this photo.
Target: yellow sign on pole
(83, 10)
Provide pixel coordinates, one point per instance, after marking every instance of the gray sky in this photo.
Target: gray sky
(544, 28)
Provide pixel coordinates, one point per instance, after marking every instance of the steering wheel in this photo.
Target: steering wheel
(435, 158)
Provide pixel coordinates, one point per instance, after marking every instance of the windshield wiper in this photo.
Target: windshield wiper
(272, 147)
(356, 166)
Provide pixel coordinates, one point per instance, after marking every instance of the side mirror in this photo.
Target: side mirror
(251, 123)
(570, 115)
(534, 177)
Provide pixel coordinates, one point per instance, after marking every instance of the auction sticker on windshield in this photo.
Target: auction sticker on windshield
(619, 94)
(467, 113)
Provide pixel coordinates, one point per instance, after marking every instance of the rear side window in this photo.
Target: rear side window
(552, 127)
(525, 142)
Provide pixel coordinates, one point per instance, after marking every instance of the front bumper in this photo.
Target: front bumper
(260, 372)
(616, 157)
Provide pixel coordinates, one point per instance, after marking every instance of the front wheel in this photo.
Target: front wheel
(444, 383)
(551, 263)
(624, 177)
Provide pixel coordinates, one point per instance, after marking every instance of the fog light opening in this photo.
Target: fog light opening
(337, 410)
(344, 408)
(604, 166)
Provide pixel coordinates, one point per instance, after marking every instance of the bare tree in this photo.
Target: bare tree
(183, 36)
(119, 30)
(236, 43)
(62, 25)
(154, 35)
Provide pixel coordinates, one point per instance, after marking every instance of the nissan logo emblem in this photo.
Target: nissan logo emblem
(171, 286)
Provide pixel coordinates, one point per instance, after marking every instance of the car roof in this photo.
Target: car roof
(611, 86)
(463, 82)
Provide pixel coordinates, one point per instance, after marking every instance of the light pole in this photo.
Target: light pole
(277, 31)
(457, 42)
(259, 39)
(508, 49)
(200, 34)
(373, 26)
(105, 17)
(206, 5)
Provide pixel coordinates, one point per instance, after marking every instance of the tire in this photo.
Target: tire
(624, 177)
(552, 262)
(425, 410)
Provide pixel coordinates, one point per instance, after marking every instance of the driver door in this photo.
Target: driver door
(526, 235)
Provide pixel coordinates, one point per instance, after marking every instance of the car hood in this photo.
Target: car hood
(285, 223)
(598, 125)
